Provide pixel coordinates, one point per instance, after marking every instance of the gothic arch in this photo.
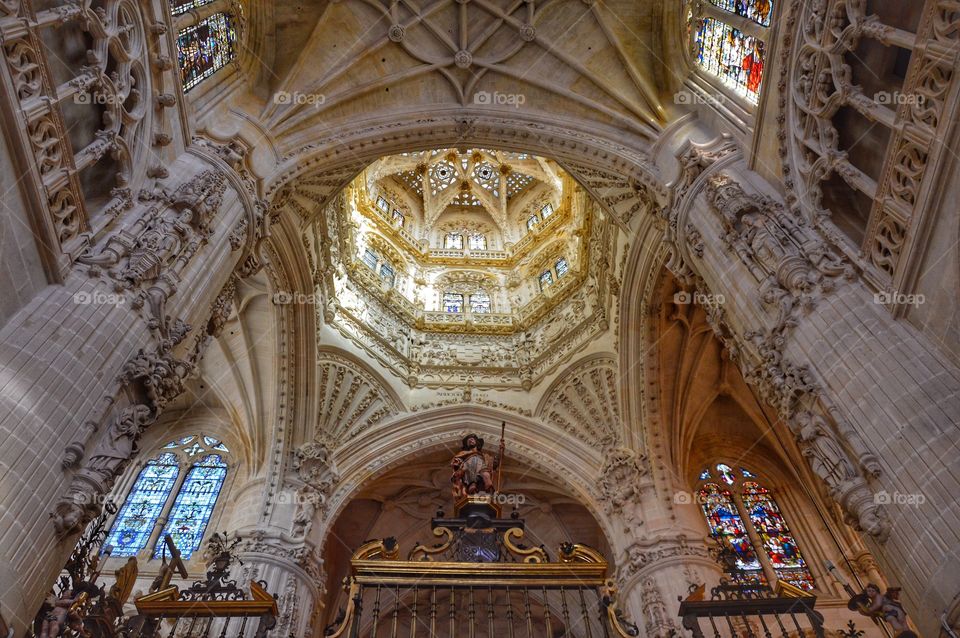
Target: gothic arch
(362, 458)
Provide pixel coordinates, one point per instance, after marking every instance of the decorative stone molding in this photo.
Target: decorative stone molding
(815, 83)
(148, 257)
(644, 555)
(619, 481)
(790, 260)
(351, 400)
(585, 403)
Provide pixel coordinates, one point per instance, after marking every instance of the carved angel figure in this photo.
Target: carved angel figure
(870, 602)
(65, 613)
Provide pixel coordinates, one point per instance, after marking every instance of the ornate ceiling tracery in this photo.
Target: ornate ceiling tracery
(528, 328)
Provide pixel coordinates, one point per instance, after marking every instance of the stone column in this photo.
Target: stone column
(873, 403)
(86, 365)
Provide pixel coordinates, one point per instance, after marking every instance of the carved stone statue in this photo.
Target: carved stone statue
(473, 468)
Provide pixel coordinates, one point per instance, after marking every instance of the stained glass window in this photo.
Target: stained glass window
(182, 6)
(387, 274)
(383, 204)
(726, 526)
(370, 258)
(546, 211)
(757, 10)
(453, 241)
(478, 241)
(134, 523)
(776, 537)
(204, 48)
(726, 474)
(480, 302)
(194, 504)
(532, 221)
(546, 279)
(399, 218)
(777, 545)
(452, 302)
(733, 56)
(562, 267)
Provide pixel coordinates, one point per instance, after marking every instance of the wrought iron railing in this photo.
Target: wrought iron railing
(751, 611)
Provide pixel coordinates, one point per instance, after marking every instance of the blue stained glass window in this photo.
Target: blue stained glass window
(134, 523)
(757, 10)
(547, 210)
(182, 6)
(452, 302)
(194, 504)
(387, 274)
(561, 267)
(546, 279)
(704, 475)
(370, 258)
(204, 48)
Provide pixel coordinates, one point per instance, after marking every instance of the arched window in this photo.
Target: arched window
(478, 241)
(182, 484)
(743, 514)
(452, 302)
(546, 279)
(399, 218)
(205, 47)
(480, 302)
(736, 56)
(546, 210)
(532, 221)
(453, 241)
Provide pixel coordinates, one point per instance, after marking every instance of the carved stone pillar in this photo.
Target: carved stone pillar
(292, 572)
(872, 403)
(87, 365)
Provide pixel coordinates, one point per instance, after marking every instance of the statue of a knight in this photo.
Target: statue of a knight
(473, 469)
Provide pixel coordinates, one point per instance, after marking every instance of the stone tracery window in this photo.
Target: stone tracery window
(478, 241)
(453, 241)
(452, 302)
(546, 210)
(205, 47)
(757, 10)
(729, 42)
(561, 266)
(178, 7)
(399, 218)
(480, 302)
(181, 484)
(545, 279)
(743, 514)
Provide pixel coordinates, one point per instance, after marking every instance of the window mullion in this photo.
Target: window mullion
(167, 507)
(758, 547)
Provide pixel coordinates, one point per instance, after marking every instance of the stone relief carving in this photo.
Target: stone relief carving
(657, 620)
(619, 481)
(816, 81)
(585, 403)
(351, 399)
(148, 257)
(789, 259)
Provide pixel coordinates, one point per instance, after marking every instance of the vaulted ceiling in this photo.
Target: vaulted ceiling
(362, 57)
